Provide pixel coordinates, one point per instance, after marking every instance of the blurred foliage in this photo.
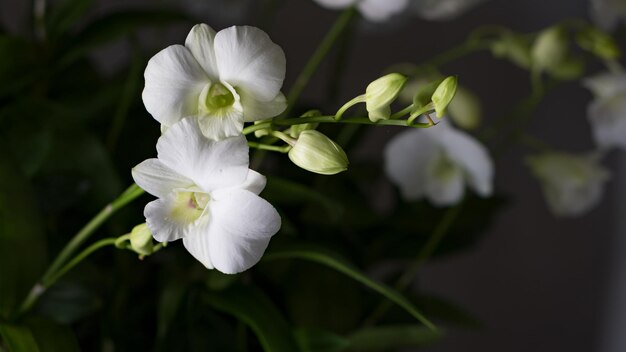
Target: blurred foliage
(69, 134)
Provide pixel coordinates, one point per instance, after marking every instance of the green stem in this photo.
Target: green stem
(40, 288)
(329, 119)
(422, 256)
(271, 148)
(402, 112)
(348, 105)
(320, 53)
(126, 197)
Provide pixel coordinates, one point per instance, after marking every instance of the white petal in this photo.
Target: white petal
(210, 164)
(248, 59)
(242, 224)
(444, 184)
(472, 156)
(200, 43)
(256, 110)
(255, 182)
(442, 9)
(606, 84)
(163, 226)
(335, 4)
(381, 10)
(174, 80)
(406, 157)
(157, 179)
(608, 121)
(228, 123)
(197, 243)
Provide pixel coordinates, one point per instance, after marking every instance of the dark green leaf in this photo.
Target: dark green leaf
(52, 337)
(443, 309)
(316, 340)
(282, 191)
(18, 338)
(384, 338)
(253, 308)
(333, 261)
(115, 26)
(22, 242)
(64, 14)
(67, 302)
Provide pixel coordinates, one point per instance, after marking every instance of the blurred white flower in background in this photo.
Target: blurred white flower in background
(208, 197)
(222, 79)
(372, 10)
(437, 163)
(572, 184)
(442, 9)
(607, 112)
(607, 13)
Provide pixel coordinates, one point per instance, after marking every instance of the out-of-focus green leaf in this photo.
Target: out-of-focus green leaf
(18, 58)
(78, 167)
(26, 127)
(52, 337)
(282, 191)
(169, 303)
(67, 302)
(22, 242)
(254, 309)
(18, 338)
(316, 340)
(64, 14)
(442, 309)
(333, 261)
(114, 26)
(385, 338)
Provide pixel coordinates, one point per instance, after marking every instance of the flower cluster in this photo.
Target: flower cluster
(202, 93)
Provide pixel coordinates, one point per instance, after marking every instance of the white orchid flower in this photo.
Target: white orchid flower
(607, 113)
(372, 10)
(607, 13)
(437, 163)
(222, 79)
(442, 9)
(572, 184)
(208, 197)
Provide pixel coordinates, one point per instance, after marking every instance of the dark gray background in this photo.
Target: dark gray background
(539, 283)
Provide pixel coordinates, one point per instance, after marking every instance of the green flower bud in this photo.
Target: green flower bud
(598, 43)
(317, 153)
(262, 132)
(444, 94)
(465, 109)
(550, 48)
(141, 240)
(381, 93)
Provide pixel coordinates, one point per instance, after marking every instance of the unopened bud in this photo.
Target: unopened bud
(317, 153)
(550, 48)
(444, 94)
(141, 240)
(381, 93)
(514, 48)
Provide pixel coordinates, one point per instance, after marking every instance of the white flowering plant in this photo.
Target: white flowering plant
(263, 218)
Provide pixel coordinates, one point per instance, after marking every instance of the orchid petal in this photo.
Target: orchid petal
(258, 110)
(200, 43)
(174, 80)
(242, 224)
(210, 164)
(157, 179)
(248, 59)
(406, 157)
